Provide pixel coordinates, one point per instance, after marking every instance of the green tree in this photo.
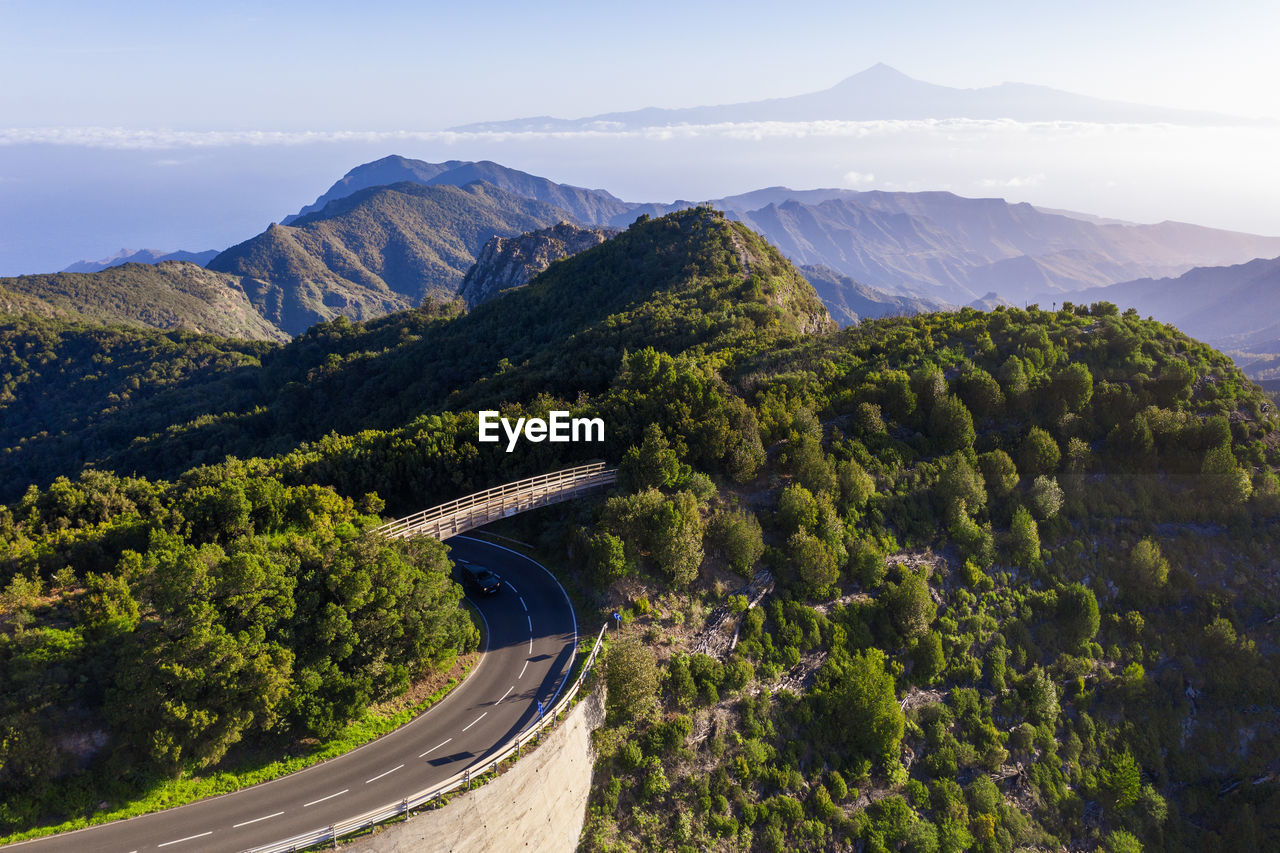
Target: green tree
(981, 394)
(1149, 567)
(811, 467)
(631, 679)
(1073, 386)
(961, 486)
(676, 538)
(1122, 841)
(606, 556)
(860, 708)
(1222, 480)
(815, 565)
(1039, 454)
(951, 424)
(999, 472)
(1120, 781)
(929, 658)
(1078, 615)
(797, 509)
(738, 536)
(1024, 539)
(911, 605)
(653, 464)
(1046, 497)
(856, 485)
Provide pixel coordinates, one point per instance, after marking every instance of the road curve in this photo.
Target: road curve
(531, 633)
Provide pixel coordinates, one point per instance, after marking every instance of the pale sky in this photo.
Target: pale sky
(176, 125)
(380, 65)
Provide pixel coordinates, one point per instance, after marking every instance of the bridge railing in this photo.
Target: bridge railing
(433, 794)
(474, 510)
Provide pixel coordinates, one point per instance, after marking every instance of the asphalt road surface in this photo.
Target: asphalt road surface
(531, 632)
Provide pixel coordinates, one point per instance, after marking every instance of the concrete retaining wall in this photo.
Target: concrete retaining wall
(539, 804)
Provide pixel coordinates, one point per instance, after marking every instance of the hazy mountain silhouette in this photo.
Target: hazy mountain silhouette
(880, 92)
(143, 256)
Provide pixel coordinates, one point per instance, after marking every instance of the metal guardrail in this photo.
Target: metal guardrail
(463, 514)
(425, 797)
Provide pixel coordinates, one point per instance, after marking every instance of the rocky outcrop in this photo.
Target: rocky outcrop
(507, 262)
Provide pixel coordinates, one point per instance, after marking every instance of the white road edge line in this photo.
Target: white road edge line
(522, 604)
(330, 797)
(188, 838)
(380, 775)
(505, 695)
(476, 720)
(434, 748)
(256, 819)
(526, 666)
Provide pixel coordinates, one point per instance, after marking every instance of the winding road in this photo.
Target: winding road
(531, 636)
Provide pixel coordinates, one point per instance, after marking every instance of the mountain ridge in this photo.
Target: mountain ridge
(594, 207)
(378, 250)
(171, 295)
(142, 256)
(878, 92)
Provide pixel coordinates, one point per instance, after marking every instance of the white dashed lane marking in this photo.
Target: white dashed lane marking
(434, 748)
(513, 589)
(530, 618)
(526, 666)
(476, 720)
(380, 775)
(188, 838)
(505, 695)
(256, 819)
(322, 799)
(525, 606)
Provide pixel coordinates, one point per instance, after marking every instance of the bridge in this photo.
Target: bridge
(463, 514)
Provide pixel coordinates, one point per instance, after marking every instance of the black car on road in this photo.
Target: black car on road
(479, 579)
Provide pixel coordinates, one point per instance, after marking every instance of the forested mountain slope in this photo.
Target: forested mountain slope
(168, 295)
(1024, 563)
(377, 251)
(689, 281)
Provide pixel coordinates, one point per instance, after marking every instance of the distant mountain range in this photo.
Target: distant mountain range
(952, 248)
(880, 92)
(142, 256)
(396, 231)
(935, 245)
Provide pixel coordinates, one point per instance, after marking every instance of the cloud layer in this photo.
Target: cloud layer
(954, 129)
